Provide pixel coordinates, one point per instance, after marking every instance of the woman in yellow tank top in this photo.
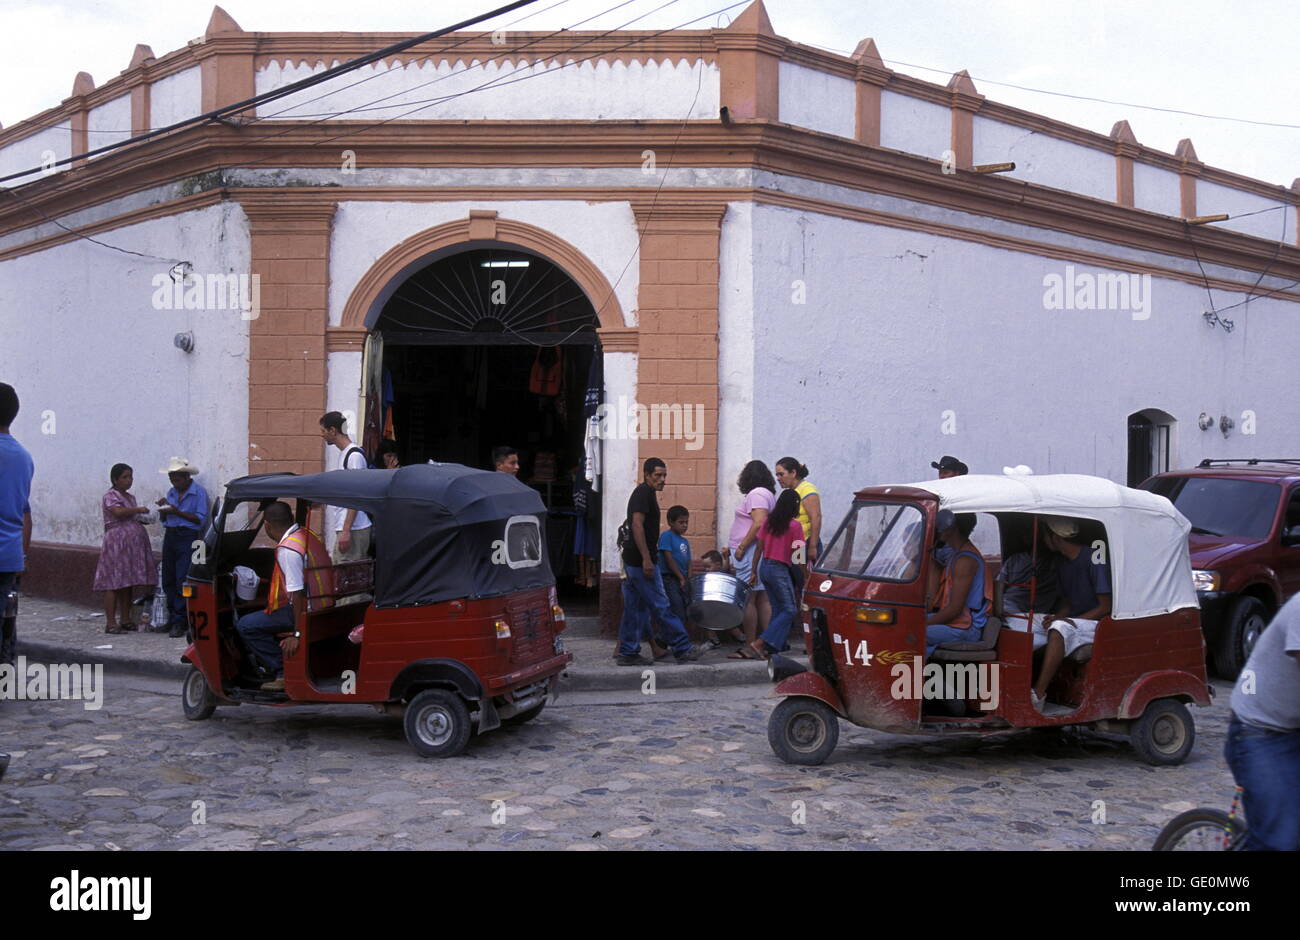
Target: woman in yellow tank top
(792, 475)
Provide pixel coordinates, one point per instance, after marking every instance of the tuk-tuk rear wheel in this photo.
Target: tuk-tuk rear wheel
(437, 723)
(197, 699)
(803, 730)
(1165, 733)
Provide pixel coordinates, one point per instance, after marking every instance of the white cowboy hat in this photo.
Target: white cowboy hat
(180, 465)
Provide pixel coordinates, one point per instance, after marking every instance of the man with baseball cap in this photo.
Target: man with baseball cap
(184, 512)
(1084, 583)
(949, 467)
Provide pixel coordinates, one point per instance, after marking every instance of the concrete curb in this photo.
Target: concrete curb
(38, 651)
(666, 676)
(577, 678)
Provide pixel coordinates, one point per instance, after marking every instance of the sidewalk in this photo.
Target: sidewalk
(58, 632)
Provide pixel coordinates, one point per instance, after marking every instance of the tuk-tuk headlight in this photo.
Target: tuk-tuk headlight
(873, 614)
(1206, 580)
(187, 591)
(503, 630)
(557, 612)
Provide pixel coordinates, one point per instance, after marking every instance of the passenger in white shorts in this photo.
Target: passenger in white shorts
(1085, 589)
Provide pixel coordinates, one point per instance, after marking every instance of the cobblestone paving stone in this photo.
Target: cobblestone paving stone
(656, 774)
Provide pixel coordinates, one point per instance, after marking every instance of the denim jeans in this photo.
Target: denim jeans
(937, 633)
(259, 631)
(8, 628)
(641, 597)
(778, 580)
(177, 551)
(1266, 764)
(678, 601)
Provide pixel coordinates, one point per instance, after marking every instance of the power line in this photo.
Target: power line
(278, 93)
(1063, 94)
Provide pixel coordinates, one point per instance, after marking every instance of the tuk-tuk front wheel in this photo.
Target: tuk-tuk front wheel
(437, 723)
(803, 730)
(197, 699)
(1165, 733)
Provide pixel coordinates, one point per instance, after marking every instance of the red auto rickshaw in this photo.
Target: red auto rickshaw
(866, 601)
(460, 623)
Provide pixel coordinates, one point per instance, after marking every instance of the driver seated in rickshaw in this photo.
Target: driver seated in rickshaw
(1084, 582)
(963, 608)
(299, 554)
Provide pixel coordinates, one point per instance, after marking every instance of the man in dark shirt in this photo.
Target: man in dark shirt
(643, 591)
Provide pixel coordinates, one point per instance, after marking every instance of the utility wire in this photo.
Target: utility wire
(1063, 94)
(280, 92)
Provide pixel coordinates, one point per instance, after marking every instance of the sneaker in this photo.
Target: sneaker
(690, 656)
(1037, 702)
(632, 659)
(275, 685)
(711, 643)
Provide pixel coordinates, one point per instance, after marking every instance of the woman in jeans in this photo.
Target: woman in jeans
(126, 560)
(757, 484)
(779, 535)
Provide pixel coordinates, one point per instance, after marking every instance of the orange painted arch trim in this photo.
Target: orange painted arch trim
(402, 258)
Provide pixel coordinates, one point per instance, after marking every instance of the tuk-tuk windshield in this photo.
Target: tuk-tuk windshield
(878, 541)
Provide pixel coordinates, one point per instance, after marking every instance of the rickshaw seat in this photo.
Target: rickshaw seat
(975, 651)
(1082, 654)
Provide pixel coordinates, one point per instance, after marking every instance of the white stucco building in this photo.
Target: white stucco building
(795, 242)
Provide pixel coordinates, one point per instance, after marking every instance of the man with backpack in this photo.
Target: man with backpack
(643, 591)
(351, 526)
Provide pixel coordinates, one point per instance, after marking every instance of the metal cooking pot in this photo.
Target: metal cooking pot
(718, 600)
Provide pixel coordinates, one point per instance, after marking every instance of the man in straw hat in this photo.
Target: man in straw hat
(184, 513)
(1085, 589)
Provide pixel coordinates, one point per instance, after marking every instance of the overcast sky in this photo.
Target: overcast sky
(1238, 60)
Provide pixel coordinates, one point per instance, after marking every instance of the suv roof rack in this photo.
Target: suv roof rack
(1250, 461)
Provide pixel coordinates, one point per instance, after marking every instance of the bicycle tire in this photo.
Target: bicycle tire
(1201, 829)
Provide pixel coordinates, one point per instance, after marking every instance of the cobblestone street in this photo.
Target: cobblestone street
(684, 769)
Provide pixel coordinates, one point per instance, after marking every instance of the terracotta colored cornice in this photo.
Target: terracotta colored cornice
(618, 339)
(780, 149)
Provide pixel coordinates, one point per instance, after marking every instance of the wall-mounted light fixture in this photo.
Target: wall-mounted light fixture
(184, 342)
(1203, 219)
(994, 168)
(1226, 424)
(1205, 422)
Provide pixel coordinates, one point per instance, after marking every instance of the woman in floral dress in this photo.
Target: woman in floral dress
(126, 560)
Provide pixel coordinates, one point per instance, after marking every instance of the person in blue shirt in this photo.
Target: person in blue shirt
(1083, 579)
(675, 569)
(16, 470)
(184, 511)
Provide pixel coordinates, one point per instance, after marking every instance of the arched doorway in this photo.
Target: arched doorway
(484, 345)
(1150, 444)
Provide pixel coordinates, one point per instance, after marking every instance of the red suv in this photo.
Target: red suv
(1245, 546)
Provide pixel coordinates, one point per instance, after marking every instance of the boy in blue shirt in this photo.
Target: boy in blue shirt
(675, 567)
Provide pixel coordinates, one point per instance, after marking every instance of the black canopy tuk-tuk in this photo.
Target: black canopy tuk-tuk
(460, 626)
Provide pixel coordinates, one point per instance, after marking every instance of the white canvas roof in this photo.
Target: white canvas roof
(1150, 569)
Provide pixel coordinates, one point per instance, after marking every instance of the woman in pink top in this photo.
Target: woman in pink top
(759, 486)
(780, 535)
